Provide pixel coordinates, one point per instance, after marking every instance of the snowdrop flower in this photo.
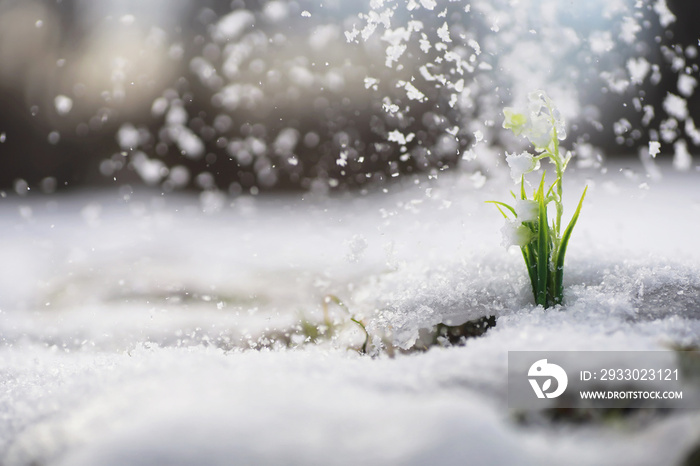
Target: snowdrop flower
(526, 210)
(539, 132)
(538, 100)
(539, 124)
(514, 121)
(515, 234)
(542, 243)
(541, 104)
(520, 164)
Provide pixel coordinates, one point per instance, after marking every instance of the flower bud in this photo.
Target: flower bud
(515, 234)
(527, 210)
(520, 164)
(514, 121)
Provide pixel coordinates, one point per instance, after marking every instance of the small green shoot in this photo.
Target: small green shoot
(528, 226)
(328, 299)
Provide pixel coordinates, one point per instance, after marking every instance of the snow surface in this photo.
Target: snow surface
(126, 320)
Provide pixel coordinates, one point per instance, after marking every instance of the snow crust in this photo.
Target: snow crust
(126, 322)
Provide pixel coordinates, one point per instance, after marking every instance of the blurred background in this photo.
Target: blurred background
(254, 95)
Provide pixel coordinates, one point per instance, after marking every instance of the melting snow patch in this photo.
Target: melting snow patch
(151, 306)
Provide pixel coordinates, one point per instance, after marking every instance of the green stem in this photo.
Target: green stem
(542, 249)
(554, 275)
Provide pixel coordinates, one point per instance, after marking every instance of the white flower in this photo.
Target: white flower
(515, 234)
(537, 101)
(539, 123)
(514, 121)
(520, 164)
(526, 210)
(539, 131)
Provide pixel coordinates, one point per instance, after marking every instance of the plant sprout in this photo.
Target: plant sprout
(329, 323)
(540, 238)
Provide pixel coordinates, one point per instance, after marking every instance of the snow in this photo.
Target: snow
(682, 160)
(399, 138)
(676, 106)
(128, 136)
(428, 4)
(54, 137)
(629, 30)
(63, 104)
(686, 85)
(601, 42)
(411, 91)
(189, 143)
(233, 25)
(648, 115)
(127, 318)
(151, 171)
(638, 69)
(356, 248)
(444, 33)
(666, 17)
(393, 53)
(159, 106)
(654, 148)
(286, 141)
(276, 11)
(176, 116)
(324, 36)
(159, 328)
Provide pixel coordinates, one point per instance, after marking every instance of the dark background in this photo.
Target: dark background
(30, 79)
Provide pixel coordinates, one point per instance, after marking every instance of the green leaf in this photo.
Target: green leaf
(542, 249)
(559, 262)
(528, 255)
(551, 188)
(540, 189)
(503, 204)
